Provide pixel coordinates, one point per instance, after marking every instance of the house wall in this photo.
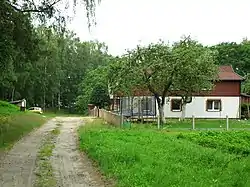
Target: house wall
(226, 88)
(230, 107)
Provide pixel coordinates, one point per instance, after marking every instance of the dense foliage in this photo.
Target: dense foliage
(237, 55)
(45, 66)
(94, 88)
(144, 157)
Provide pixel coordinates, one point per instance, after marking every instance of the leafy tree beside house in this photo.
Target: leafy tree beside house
(186, 67)
(196, 70)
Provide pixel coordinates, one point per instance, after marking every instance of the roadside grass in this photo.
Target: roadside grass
(200, 124)
(237, 142)
(15, 124)
(44, 173)
(148, 157)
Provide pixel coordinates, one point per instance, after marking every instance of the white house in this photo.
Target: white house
(224, 99)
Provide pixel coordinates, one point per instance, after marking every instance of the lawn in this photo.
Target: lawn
(148, 157)
(14, 124)
(209, 123)
(203, 124)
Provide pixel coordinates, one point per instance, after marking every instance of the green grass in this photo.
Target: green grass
(147, 157)
(237, 142)
(15, 124)
(7, 109)
(202, 124)
(45, 176)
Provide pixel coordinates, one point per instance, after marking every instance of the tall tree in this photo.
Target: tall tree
(95, 82)
(196, 69)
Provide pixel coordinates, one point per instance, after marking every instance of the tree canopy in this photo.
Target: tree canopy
(186, 66)
(48, 9)
(237, 55)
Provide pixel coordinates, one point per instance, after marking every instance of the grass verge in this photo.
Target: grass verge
(15, 124)
(207, 123)
(146, 157)
(45, 176)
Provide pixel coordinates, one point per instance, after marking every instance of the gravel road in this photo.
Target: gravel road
(71, 168)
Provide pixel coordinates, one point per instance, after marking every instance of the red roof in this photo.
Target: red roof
(227, 73)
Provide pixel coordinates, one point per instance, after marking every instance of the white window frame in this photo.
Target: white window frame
(213, 101)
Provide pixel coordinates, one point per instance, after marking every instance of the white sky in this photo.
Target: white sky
(123, 24)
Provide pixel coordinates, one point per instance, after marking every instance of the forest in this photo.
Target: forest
(49, 66)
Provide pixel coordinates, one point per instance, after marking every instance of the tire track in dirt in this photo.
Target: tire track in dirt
(17, 166)
(72, 169)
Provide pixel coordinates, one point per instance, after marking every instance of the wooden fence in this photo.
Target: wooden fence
(108, 116)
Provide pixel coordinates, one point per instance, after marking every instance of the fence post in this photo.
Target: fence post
(193, 122)
(158, 121)
(227, 123)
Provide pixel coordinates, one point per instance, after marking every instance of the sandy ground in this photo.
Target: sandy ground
(71, 168)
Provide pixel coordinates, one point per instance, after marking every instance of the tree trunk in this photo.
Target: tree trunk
(13, 94)
(52, 101)
(44, 100)
(183, 109)
(59, 96)
(161, 114)
(160, 110)
(59, 101)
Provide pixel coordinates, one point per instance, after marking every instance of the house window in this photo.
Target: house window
(175, 105)
(213, 105)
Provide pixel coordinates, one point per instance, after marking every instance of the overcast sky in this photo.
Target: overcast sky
(123, 24)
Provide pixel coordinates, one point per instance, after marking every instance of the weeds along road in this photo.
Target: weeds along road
(21, 166)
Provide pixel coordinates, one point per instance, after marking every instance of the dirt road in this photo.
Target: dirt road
(71, 169)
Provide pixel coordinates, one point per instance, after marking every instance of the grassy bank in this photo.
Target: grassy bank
(146, 157)
(14, 124)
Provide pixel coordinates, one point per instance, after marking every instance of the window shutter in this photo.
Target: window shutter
(206, 105)
(220, 105)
